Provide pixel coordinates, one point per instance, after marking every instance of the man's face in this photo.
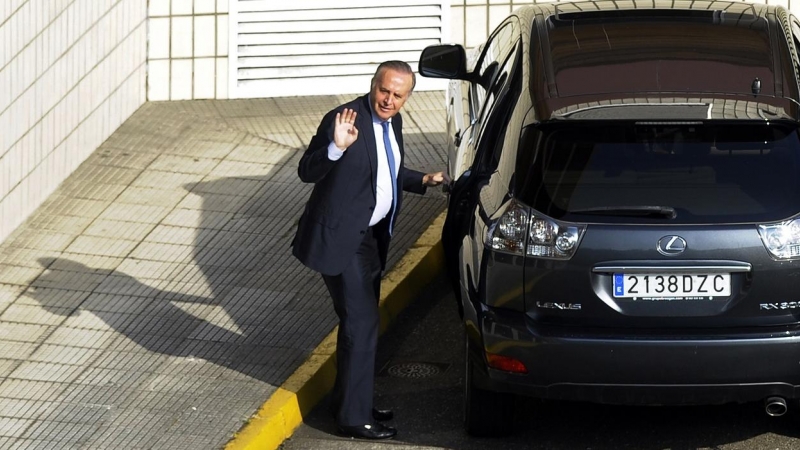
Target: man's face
(390, 93)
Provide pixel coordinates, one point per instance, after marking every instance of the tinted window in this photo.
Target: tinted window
(495, 52)
(655, 55)
(708, 174)
(498, 88)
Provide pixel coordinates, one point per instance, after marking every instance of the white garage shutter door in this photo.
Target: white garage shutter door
(316, 47)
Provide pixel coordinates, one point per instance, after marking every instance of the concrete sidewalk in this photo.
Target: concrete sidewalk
(152, 302)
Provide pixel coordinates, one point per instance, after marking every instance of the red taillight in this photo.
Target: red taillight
(517, 229)
(505, 363)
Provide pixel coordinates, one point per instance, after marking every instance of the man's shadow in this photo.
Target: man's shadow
(233, 295)
(253, 308)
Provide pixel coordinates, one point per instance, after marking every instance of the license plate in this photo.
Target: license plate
(663, 286)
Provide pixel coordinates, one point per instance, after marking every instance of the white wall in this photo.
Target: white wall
(188, 50)
(71, 71)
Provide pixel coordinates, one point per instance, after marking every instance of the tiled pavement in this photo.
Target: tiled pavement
(152, 302)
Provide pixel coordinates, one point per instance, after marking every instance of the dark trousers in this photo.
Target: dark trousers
(355, 294)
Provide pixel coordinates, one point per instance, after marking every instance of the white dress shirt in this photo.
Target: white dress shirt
(383, 189)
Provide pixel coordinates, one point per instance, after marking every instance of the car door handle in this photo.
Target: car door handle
(447, 187)
(457, 138)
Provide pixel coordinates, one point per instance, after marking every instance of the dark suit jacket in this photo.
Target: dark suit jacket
(337, 214)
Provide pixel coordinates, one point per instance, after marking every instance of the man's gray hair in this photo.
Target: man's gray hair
(398, 66)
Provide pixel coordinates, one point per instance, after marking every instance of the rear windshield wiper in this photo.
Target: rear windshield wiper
(660, 212)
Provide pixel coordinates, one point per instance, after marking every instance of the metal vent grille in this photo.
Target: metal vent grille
(313, 47)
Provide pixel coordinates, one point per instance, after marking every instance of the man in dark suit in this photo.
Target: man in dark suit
(356, 162)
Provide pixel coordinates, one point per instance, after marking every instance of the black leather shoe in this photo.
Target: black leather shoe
(369, 431)
(382, 414)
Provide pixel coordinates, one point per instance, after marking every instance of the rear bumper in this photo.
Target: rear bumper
(641, 369)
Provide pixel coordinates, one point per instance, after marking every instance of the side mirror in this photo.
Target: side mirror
(443, 61)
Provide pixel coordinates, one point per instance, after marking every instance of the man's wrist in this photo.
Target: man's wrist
(334, 152)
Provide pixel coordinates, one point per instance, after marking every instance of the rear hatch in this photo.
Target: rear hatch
(661, 224)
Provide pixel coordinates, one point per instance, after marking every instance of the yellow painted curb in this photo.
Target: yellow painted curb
(283, 412)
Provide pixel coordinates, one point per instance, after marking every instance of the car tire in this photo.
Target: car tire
(486, 413)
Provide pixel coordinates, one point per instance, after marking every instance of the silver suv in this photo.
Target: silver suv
(623, 226)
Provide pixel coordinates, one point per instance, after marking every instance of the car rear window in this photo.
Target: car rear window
(723, 53)
(706, 173)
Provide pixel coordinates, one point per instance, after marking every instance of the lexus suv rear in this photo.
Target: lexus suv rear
(624, 222)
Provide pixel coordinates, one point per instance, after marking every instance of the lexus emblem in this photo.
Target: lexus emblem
(671, 245)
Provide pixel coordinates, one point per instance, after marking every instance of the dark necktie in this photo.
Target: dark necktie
(387, 143)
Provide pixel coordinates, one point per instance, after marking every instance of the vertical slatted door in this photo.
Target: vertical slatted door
(316, 47)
